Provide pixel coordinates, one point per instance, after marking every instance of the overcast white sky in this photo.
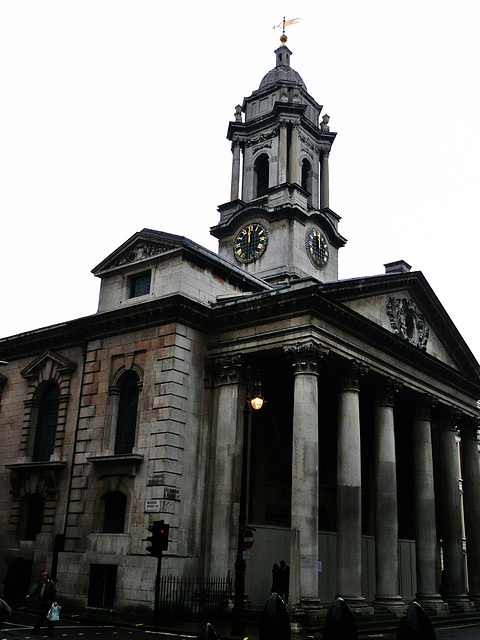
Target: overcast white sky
(113, 117)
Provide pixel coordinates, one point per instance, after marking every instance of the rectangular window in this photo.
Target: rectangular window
(140, 284)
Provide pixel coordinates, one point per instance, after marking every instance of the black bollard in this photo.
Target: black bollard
(208, 633)
(274, 621)
(415, 625)
(339, 622)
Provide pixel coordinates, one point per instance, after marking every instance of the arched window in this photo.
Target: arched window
(46, 422)
(127, 413)
(31, 516)
(114, 508)
(261, 175)
(307, 177)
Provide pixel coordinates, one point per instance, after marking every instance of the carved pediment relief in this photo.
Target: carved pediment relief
(141, 250)
(407, 322)
(60, 363)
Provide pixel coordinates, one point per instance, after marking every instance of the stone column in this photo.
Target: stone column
(386, 516)
(425, 518)
(227, 447)
(324, 180)
(471, 503)
(294, 166)
(235, 190)
(282, 153)
(349, 489)
(306, 357)
(451, 514)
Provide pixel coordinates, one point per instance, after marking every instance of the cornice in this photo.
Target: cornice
(175, 308)
(234, 314)
(227, 227)
(312, 301)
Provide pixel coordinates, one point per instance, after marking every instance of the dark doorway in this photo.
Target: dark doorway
(17, 580)
(102, 586)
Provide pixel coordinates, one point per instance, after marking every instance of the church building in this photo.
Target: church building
(361, 468)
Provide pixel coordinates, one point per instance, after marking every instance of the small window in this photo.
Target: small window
(31, 516)
(140, 284)
(114, 507)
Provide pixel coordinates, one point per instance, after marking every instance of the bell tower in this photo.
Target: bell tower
(278, 223)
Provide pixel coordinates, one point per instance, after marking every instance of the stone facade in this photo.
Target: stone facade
(138, 413)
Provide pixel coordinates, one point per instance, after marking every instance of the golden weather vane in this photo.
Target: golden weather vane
(282, 25)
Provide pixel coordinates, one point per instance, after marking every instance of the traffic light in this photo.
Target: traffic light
(163, 531)
(158, 540)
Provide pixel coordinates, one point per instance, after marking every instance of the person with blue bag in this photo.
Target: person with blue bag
(46, 591)
(5, 611)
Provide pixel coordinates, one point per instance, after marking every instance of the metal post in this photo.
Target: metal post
(238, 614)
(157, 590)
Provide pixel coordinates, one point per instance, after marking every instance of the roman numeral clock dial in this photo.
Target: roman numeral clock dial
(250, 242)
(317, 247)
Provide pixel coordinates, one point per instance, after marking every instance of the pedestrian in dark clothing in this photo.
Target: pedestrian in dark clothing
(275, 586)
(47, 593)
(283, 577)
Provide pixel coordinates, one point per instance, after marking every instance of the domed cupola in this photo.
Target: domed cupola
(282, 72)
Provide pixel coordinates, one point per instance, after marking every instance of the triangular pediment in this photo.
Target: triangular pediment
(62, 364)
(406, 306)
(141, 247)
(400, 313)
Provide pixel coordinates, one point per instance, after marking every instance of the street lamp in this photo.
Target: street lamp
(254, 400)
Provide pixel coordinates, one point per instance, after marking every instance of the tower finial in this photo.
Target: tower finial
(283, 24)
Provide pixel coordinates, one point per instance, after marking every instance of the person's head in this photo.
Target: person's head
(282, 563)
(45, 576)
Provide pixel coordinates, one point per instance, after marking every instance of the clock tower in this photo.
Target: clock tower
(278, 223)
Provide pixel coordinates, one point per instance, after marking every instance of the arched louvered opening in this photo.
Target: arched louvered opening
(307, 178)
(261, 175)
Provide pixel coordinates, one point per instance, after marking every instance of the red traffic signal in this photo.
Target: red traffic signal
(158, 540)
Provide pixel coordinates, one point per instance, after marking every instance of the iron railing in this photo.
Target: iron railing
(198, 598)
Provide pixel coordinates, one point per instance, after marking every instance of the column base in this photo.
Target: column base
(433, 603)
(392, 604)
(357, 605)
(314, 612)
(297, 617)
(460, 601)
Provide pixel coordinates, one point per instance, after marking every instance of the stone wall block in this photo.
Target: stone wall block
(170, 413)
(168, 466)
(80, 482)
(88, 411)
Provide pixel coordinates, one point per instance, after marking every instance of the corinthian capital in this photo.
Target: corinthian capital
(352, 371)
(386, 391)
(226, 370)
(305, 356)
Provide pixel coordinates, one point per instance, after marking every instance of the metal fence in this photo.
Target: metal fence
(198, 598)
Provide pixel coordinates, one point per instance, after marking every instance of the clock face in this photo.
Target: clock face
(317, 247)
(250, 242)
